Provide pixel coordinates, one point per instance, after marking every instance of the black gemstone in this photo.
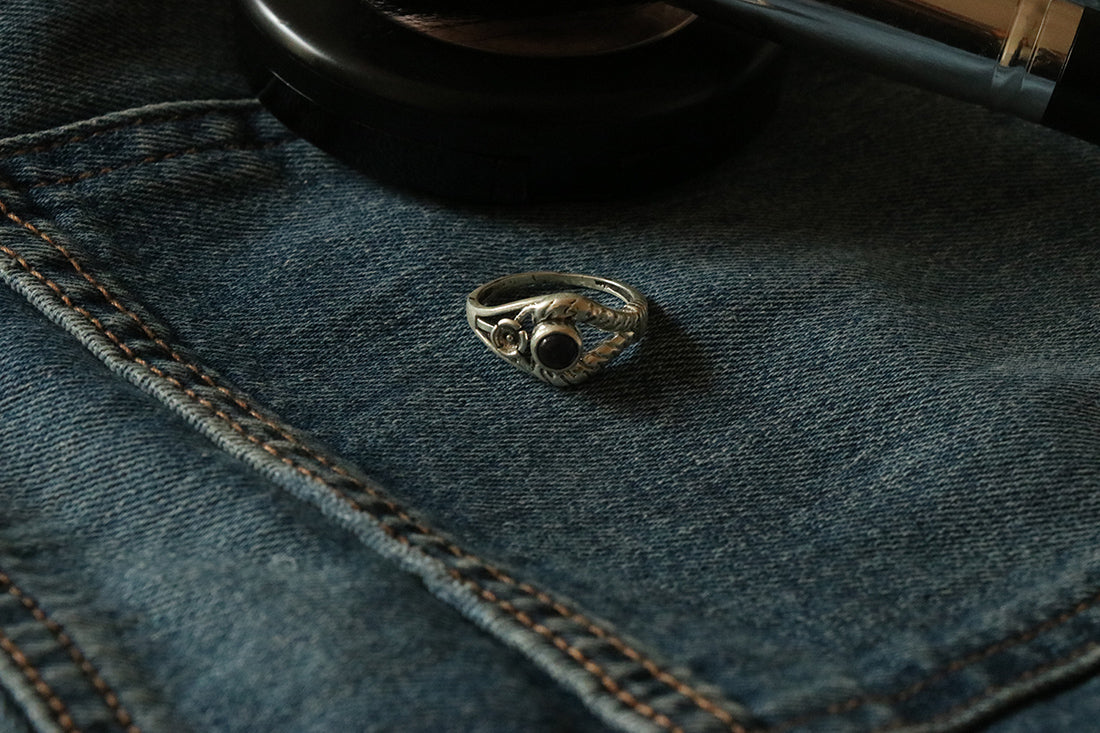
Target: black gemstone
(557, 350)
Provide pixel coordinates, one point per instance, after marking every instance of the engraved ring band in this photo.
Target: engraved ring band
(531, 321)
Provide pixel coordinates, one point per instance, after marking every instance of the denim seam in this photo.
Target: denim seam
(383, 508)
(87, 669)
(994, 690)
(169, 115)
(908, 693)
(58, 709)
(149, 159)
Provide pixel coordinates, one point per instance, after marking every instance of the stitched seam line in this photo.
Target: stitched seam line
(946, 671)
(575, 654)
(87, 669)
(136, 122)
(994, 689)
(606, 680)
(58, 709)
(87, 175)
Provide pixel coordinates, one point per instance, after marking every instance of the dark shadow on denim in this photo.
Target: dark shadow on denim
(662, 369)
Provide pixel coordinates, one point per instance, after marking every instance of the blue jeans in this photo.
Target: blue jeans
(257, 474)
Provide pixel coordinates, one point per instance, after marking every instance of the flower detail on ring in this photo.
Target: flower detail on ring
(508, 337)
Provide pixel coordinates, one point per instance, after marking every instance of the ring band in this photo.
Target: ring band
(539, 333)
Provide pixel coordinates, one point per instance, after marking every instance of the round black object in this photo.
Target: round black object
(557, 350)
(481, 126)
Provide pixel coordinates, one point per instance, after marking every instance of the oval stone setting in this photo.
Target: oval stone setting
(557, 350)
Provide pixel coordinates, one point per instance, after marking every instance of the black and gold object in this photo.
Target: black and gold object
(1036, 59)
(526, 100)
(554, 101)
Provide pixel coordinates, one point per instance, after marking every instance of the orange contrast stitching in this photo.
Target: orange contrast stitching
(994, 689)
(57, 708)
(122, 715)
(86, 175)
(608, 682)
(137, 122)
(577, 655)
(908, 692)
(648, 665)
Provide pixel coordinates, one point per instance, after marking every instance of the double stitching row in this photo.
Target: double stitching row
(907, 693)
(58, 709)
(592, 667)
(87, 669)
(995, 689)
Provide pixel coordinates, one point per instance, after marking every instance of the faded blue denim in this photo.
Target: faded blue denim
(257, 474)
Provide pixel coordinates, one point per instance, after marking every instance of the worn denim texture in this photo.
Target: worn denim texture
(848, 482)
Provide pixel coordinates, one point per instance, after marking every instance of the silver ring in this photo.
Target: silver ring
(539, 333)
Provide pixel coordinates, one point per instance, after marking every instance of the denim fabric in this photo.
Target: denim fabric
(1074, 709)
(848, 482)
(11, 716)
(207, 598)
(65, 61)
